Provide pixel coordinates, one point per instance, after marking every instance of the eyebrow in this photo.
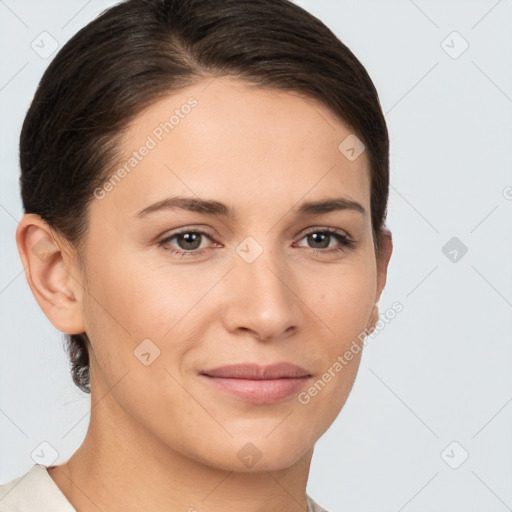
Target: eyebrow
(211, 207)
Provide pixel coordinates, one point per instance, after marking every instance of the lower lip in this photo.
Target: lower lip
(259, 391)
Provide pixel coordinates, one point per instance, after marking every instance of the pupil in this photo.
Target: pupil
(191, 238)
(316, 235)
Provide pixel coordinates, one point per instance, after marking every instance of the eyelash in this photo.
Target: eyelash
(345, 241)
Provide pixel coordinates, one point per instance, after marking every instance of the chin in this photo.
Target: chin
(253, 455)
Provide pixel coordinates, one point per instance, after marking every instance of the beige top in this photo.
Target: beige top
(35, 491)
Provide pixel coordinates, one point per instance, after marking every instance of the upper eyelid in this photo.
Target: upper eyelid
(329, 229)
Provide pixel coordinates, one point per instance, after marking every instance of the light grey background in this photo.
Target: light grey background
(438, 373)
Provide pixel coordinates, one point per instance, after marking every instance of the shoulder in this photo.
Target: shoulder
(313, 506)
(34, 491)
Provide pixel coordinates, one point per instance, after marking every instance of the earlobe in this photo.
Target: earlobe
(386, 245)
(48, 265)
(374, 317)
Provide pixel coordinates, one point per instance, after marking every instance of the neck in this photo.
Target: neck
(122, 467)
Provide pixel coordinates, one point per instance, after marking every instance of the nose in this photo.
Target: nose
(263, 299)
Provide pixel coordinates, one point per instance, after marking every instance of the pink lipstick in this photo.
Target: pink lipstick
(261, 384)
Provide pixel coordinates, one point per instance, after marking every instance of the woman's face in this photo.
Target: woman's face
(264, 285)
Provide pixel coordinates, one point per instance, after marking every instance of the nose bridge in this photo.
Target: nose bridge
(264, 301)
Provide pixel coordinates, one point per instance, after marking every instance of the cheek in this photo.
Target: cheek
(344, 300)
(133, 299)
(128, 316)
(120, 310)
(130, 301)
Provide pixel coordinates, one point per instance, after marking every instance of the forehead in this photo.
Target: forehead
(241, 145)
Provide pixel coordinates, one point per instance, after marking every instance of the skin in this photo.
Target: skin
(160, 438)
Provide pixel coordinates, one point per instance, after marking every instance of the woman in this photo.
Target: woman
(205, 189)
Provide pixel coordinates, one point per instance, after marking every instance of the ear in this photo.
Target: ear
(53, 273)
(386, 248)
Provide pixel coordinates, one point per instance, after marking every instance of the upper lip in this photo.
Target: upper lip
(257, 371)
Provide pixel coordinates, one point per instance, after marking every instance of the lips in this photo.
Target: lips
(256, 383)
(257, 372)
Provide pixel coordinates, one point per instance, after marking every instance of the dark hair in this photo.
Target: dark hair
(139, 50)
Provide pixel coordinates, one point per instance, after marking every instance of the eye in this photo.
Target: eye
(188, 241)
(322, 237)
